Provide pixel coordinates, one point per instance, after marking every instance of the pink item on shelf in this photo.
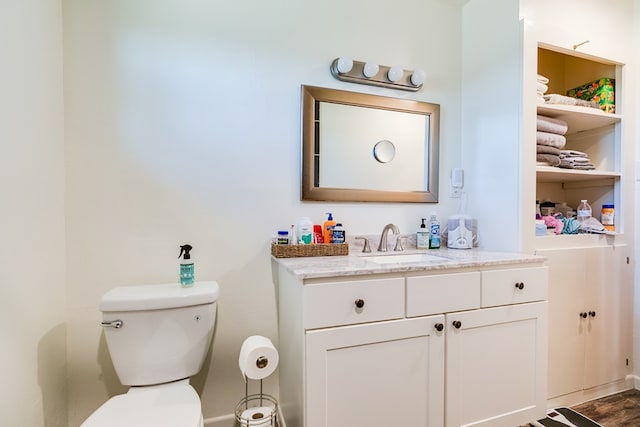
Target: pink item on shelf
(553, 222)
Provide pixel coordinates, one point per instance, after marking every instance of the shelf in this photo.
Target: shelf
(552, 241)
(579, 119)
(555, 174)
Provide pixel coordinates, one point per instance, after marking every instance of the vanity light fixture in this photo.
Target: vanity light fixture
(370, 73)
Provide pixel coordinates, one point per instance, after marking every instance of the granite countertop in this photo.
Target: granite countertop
(357, 264)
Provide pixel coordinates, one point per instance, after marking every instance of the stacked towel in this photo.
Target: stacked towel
(541, 87)
(573, 159)
(555, 98)
(550, 140)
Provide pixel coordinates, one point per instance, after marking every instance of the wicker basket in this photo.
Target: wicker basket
(293, 251)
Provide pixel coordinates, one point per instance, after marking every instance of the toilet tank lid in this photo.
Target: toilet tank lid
(156, 297)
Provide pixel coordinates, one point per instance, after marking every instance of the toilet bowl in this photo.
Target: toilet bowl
(158, 337)
(166, 405)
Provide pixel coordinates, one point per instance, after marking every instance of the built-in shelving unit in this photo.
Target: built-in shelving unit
(590, 130)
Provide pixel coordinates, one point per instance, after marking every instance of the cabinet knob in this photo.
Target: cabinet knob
(359, 303)
(439, 327)
(592, 313)
(457, 324)
(520, 285)
(584, 314)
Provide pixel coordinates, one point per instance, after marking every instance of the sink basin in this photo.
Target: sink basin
(405, 258)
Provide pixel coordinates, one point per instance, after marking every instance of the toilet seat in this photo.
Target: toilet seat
(166, 405)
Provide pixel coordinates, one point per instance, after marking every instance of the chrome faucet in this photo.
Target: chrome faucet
(382, 247)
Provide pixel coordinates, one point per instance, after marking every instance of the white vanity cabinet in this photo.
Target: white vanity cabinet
(466, 347)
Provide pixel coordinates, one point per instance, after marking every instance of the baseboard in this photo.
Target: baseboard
(594, 393)
(221, 421)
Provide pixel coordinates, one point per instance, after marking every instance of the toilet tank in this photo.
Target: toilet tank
(165, 330)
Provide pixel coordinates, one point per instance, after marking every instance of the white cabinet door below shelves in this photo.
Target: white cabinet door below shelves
(376, 375)
(496, 362)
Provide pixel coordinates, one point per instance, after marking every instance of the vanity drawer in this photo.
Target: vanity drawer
(514, 286)
(442, 293)
(334, 304)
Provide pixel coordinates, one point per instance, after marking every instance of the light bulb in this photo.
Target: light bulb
(418, 77)
(395, 74)
(344, 64)
(370, 69)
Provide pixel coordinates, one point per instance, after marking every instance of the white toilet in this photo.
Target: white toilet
(158, 337)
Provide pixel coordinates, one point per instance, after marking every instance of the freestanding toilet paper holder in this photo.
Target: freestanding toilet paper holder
(257, 410)
(258, 359)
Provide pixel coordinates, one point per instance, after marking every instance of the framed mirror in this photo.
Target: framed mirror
(367, 148)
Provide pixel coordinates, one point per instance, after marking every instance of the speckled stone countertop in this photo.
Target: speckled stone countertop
(358, 264)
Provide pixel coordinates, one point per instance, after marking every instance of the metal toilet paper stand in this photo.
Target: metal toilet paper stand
(257, 410)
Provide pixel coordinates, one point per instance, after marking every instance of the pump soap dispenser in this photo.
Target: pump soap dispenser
(422, 236)
(186, 266)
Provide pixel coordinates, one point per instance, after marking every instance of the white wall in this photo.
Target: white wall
(32, 282)
(183, 125)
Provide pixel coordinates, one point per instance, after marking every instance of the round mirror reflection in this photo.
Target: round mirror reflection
(384, 151)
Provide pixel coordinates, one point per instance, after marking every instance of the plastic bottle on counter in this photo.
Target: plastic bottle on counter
(305, 231)
(327, 228)
(338, 235)
(434, 232)
(583, 211)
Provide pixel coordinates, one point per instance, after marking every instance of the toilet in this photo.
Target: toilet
(158, 337)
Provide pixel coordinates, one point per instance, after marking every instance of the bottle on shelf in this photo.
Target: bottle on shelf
(583, 211)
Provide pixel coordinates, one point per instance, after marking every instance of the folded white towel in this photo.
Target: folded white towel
(549, 124)
(551, 139)
(541, 88)
(555, 98)
(542, 79)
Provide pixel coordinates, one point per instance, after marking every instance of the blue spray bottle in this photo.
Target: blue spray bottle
(186, 266)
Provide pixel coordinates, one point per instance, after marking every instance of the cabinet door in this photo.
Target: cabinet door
(496, 366)
(608, 325)
(567, 300)
(593, 350)
(376, 375)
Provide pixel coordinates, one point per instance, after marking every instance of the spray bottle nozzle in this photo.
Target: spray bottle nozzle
(184, 249)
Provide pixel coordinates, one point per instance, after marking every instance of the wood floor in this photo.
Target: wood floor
(617, 410)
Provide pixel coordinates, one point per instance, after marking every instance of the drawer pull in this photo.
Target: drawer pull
(359, 303)
(583, 315)
(457, 324)
(520, 285)
(592, 313)
(439, 327)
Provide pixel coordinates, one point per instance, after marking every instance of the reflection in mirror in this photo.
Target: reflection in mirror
(359, 147)
(384, 151)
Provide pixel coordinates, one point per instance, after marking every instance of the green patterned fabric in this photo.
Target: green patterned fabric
(600, 91)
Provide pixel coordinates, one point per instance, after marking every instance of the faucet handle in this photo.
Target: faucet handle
(366, 248)
(398, 247)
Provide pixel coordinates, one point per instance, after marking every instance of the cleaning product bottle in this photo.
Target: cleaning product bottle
(305, 231)
(434, 232)
(422, 236)
(338, 234)
(186, 266)
(327, 228)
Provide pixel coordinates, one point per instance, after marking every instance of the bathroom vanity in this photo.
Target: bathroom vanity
(459, 338)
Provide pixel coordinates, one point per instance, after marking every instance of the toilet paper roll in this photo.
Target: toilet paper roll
(257, 417)
(258, 357)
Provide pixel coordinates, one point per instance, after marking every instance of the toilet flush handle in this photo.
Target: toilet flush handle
(117, 324)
